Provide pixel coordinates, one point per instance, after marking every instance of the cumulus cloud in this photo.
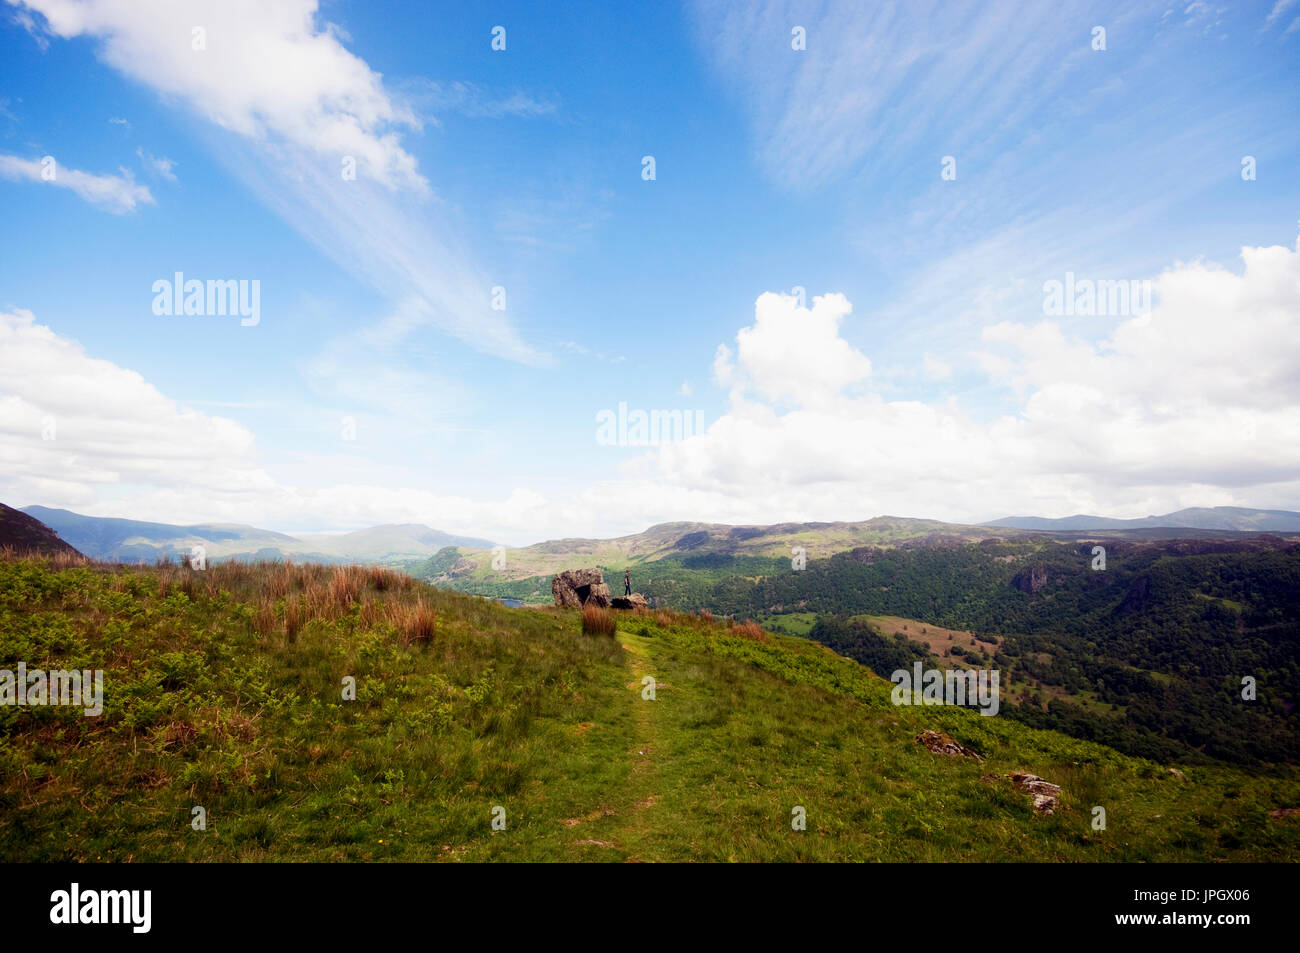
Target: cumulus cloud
(114, 193)
(83, 433)
(792, 353)
(72, 425)
(1195, 403)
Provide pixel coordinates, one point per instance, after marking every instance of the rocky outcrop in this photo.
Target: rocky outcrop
(1046, 795)
(575, 588)
(1031, 580)
(941, 743)
(634, 601)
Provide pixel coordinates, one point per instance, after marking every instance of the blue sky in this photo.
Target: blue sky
(927, 382)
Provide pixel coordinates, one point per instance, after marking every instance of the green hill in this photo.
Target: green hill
(687, 545)
(223, 690)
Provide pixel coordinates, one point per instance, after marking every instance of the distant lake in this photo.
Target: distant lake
(513, 603)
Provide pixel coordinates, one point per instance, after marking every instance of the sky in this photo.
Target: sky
(824, 235)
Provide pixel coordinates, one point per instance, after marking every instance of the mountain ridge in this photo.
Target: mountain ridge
(118, 539)
(1232, 518)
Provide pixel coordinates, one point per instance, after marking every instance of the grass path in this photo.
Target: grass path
(625, 826)
(642, 819)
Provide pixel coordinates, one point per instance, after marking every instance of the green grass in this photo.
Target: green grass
(211, 700)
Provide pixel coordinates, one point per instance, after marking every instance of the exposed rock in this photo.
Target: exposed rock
(1046, 794)
(941, 743)
(634, 601)
(1284, 812)
(1031, 580)
(575, 588)
(1178, 774)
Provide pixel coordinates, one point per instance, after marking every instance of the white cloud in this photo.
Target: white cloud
(159, 164)
(1279, 9)
(265, 71)
(120, 447)
(114, 193)
(1196, 403)
(109, 426)
(870, 71)
(300, 105)
(792, 353)
(471, 100)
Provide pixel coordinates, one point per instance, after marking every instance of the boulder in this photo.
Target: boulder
(634, 601)
(575, 588)
(941, 743)
(1045, 793)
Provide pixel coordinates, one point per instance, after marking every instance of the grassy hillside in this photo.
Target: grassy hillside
(223, 690)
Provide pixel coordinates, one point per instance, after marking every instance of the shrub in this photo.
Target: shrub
(597, 621)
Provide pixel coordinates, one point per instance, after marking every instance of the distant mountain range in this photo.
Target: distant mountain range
(1236, 518)
(406, 544)
(123, 540)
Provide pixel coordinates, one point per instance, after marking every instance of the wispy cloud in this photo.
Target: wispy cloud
(1279, 10)
(114, 193)
(158, 164)
(876, 79)
(429, 98)
(306, 113)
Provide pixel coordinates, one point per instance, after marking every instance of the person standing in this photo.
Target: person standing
(627, 582)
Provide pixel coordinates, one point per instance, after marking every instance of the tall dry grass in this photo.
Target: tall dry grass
(416, 622)
(598, 621)
(60, 560)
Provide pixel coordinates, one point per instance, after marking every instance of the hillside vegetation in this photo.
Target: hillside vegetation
(1160, 640)
(223, 691)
